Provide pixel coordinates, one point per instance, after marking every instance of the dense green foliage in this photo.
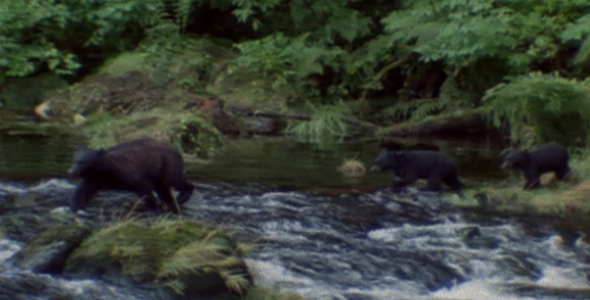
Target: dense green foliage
(543, 108)
(325, 50)
(40, 35)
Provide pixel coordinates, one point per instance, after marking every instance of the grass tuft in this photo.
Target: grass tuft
(181, 254)
(352, 167)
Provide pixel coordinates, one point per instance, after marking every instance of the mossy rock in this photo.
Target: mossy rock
(185, 257)
(47, 253)
(186, 130)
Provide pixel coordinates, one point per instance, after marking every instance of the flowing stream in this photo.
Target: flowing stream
(370, 247)
(367, 245)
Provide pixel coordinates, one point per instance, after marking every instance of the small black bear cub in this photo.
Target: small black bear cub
(423, 164)
(142, 166)
(548, 158)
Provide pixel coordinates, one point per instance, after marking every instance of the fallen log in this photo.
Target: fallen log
(307, 117)
(460, 122)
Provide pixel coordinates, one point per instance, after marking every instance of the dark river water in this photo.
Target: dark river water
(321, 234)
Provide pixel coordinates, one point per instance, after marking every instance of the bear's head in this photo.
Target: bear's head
(85, 161)
(515, 159)
(387, 160)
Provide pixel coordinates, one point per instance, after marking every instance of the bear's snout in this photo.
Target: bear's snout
(506, 165)
(73, 172)
(375, 168)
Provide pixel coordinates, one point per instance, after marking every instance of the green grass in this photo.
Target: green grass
(553, 197)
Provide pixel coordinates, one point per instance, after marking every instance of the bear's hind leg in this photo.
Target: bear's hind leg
(185, 192)
(145, 192)
(165, 194)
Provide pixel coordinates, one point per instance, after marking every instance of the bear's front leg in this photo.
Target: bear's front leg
(165, 194)
(84, 191)
(185, 192)
(533, 180)
(433, 184)
(399, 182)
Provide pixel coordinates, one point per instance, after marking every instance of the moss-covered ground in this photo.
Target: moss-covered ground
(553, 197)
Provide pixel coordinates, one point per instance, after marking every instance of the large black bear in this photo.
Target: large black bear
(423, 164)
(142, 166)
(548, 158)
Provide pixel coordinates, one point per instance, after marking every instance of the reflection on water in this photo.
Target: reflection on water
(28, 158)
(268, 161)
(280, 163)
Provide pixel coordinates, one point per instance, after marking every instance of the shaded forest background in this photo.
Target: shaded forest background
(526, 61)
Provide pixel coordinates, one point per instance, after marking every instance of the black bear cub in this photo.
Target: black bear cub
(143, 166)
(548, 158)
(421, 164)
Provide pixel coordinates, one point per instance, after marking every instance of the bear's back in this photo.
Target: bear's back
(424, 161)
(144, 153)
(549, 157)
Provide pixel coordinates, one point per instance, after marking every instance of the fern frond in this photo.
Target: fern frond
(427, 108)
(327, 124)
(556, 108)
(415, 110)
(182, 11)
(577, 30)
(582, 58)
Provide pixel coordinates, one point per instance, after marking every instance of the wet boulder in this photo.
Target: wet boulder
(47, 252)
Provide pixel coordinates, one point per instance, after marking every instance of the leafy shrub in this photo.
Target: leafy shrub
(557, 109)
(480, 42)
(461, 32)
(40, 35)
(287, 61)
(328, 123)
(27, 38)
